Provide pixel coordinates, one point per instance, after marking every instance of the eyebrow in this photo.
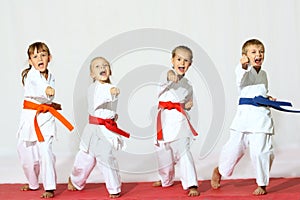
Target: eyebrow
(188, 59)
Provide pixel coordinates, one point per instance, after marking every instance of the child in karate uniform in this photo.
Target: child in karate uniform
(101, 135)
(37, 126)
(174, 129)
(253, 125)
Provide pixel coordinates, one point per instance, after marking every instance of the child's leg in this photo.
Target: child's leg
(47, 162)
(261, 152)
(109, 166)
(188, 174)
(230, 155)
(83, 165)
(28, 154)
(232, 152)
(166, 169)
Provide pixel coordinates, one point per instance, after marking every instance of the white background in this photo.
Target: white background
(74, 28)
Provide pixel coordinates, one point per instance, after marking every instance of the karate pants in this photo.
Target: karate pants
(36, 157)
(171, 153)
(261, 153)
(100, 153)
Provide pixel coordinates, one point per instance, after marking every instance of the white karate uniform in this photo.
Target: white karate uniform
(97, 142)
(252, 127)
(34, 155)
(175, 146)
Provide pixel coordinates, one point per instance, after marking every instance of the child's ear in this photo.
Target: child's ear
(49, 58)
(172, 61)
(29, 62)
(92, 75)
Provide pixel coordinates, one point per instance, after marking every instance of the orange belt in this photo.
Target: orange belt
(170, 105)
(110, 124)
(43, 108)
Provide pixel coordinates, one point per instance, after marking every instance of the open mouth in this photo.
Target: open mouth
(40, 64)
(181, 69)
(103, 73)
(257, 60)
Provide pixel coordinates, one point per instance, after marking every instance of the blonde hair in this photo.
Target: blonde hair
(185, 48)
(40, 47)
(251, 42)
(91, 66)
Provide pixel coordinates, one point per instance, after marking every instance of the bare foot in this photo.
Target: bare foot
(48, 194)
(193, 192)
(114, 195)
(157, 184)
(260, 190)
(215, 179)
(71, 187)
(27, 188)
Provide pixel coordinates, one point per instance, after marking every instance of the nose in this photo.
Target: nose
(102, 67)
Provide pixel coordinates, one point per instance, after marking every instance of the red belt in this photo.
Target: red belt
(170, 105)
(110, 124)
(43, 108)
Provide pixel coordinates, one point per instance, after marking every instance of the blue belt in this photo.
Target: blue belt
(263, 101)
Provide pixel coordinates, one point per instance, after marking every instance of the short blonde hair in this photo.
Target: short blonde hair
(251, 42)
(182, 48)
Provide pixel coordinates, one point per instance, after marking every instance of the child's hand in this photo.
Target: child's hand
(50, 91)
(244, 61)
(188, 105)
(272, 98)
(116, 117)
(114, 91)
(171, 76)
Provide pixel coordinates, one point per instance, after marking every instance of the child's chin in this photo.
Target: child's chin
(103, 79)
(257, 66)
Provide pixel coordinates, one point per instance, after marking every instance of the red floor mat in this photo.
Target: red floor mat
(279, 188)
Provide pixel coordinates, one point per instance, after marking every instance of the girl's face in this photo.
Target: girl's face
(100, 70)
(255, 54)
(181, 61)
(39, 60)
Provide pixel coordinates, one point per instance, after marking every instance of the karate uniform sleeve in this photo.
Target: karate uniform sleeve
(102, 95)
(242, 75)
(164, 85)
(36, 84)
